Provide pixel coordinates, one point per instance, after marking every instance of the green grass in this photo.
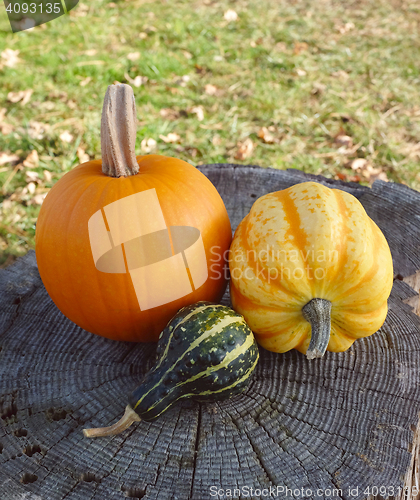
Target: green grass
(310, 71)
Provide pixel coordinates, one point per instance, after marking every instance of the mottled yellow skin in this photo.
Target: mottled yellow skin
(305, 242)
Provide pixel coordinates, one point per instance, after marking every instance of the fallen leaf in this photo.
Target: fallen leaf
(31, 187)
(66, 136)
(137, 81)
(254, 43)
(32, 160)
(187, 54)
(230, 15)
(37, 130)
(266, 136)
(47, 175)
(245, 149)
(369, 173)
(71, 104)
(6, 128)
(133, 56)
(318, 88)
(82, 155)
(170, 138)
(23, 96)
(9, 58)
(217, 140)
(148, 145)
(6, 205)
(344, 28)
(169, 114)
(300, 72)
(341, 176)
(299, 47)
(8, 158)
(85, 81)
(344, 140)
(359, 164)
(38, 199)
(31, 176)
(210, 89)
(280, 47)
(199, 111)
(341, 74)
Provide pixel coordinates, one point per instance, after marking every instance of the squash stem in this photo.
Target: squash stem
(118, 132)
(318, 313)
(128, 418)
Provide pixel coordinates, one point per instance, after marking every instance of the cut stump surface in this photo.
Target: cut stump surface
(339, 424)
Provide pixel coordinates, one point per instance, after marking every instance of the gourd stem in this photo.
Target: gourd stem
(128, 418)
(318, 313)
(118, 132)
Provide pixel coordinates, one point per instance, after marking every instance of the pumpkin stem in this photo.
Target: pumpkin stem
(318, 313)
(128, 418)
(118, 132)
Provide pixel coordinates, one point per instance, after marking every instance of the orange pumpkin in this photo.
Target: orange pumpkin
(107, 303)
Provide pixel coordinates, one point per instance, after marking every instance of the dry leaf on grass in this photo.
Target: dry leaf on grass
(170, 138)
(8, 158)
(199, 111)
(362, 167)
(133, 56)
(5, 128)
(9, 58)
(37, 130)
(245, 149)
(37, 199)
(187, 54)
(32, 160)
(266, 136)
(83, 157)
(47, 176)
(344, 28)
(230, 15)
(85, 81)
(169, 114)
(299, 47)
(23, 96)
(66, 136)
(344, 140)
(32, 176)
(148, 145)
(210, 89)
(341, 74)
(136, 81)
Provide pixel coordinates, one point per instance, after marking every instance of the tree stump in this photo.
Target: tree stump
(339, 427)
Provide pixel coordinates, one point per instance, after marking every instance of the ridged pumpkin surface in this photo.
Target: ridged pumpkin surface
(306, 242)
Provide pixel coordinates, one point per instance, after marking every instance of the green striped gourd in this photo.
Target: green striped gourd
(206, 352)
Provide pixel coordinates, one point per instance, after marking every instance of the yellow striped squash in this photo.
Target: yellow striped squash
(310, 270)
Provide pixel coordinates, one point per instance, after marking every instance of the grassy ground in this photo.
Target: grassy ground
(329, 87)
